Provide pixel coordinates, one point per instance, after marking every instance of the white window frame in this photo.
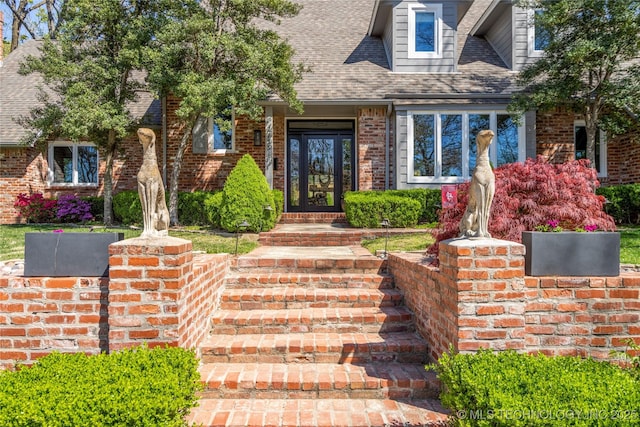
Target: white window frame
(531, 34)
(211, 137)
(436, 9)
(74, 153)
(466, 172)
(602, 173)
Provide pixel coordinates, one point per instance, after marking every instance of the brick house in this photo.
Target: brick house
(396, 93)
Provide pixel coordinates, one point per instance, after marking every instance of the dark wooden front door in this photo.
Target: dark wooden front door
(320, 168)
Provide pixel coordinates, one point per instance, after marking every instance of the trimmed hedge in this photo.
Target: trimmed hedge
(511, 389)
(428, 198)
(192, 208)
(368, 209)
(623, 202)
(136, 387)
(127, 208)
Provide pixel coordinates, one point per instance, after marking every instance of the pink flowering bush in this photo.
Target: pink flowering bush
(34, 208)
(533, 193)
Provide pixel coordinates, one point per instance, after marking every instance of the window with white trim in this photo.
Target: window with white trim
(425, 30)
(441, 146)
(214, 134)
(538, 38)
(580, 142)
(72, 163)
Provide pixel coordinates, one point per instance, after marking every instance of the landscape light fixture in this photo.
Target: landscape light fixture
(244, 224)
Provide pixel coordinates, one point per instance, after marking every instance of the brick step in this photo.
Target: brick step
(338, 320)
(403, 347)
(318, 413)
(290, 297)
(340, 237)
(311, 260)
(326, 280)
(313, 218)
(322, 380)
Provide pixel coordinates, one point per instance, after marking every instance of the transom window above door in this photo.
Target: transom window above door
(441, 146)
(425, 31)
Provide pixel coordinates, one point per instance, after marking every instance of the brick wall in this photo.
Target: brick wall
(623, 158)
(554, 135)
(158, 293)
(480, 298)
(41, 315)
(371, 148)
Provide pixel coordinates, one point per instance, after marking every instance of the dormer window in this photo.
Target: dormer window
(425, 31)
(538, 37)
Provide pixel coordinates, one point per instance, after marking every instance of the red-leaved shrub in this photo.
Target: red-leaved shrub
(531, 194)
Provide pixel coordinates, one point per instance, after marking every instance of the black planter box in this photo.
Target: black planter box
(571, 253)
(68, 254)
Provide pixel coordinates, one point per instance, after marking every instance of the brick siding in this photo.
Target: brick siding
(371, 128)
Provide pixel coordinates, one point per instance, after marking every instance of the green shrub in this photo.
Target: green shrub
(623, 202)
(368, 209)
(137, 387)
(191, 208)
(511, 389)
(245, 195)
(97, 206)
(127, 208)
(278, 199)
(212, 209)
(429, 201)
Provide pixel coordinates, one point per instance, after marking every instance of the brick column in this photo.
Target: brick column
(147, 277)
(489, 277)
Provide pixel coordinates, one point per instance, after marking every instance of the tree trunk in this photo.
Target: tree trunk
(591, 127)
(108, 179)
(175, 172)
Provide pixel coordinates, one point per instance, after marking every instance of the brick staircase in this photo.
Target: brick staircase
(314, 336)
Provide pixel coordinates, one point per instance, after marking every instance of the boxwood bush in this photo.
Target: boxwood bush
(622, 202)
(429, 200)
(511, 389)
(367, 209)
(136, 387)
(127, 208)
(192, 208)
(245, 195)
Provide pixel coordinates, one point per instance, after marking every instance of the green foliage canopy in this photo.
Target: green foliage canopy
(218, 55)
(589, 64)
(93, 75)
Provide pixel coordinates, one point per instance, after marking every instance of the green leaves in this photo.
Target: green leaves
(136, 387)
(588, 64)
(511, 389)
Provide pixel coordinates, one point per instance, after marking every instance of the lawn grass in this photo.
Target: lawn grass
(629, 244)
(204, 240)
(402, 242)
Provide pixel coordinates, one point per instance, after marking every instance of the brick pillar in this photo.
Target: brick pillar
(491, 294)
(146, 279)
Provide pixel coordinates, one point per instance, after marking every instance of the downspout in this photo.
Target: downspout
(387, 153)
(164, 139)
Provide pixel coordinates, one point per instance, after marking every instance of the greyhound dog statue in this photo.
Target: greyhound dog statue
(475, 221)
(151, 188)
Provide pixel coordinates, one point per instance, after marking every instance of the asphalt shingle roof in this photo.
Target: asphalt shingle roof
(347, 65)
(19, 94)
(330, 36)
